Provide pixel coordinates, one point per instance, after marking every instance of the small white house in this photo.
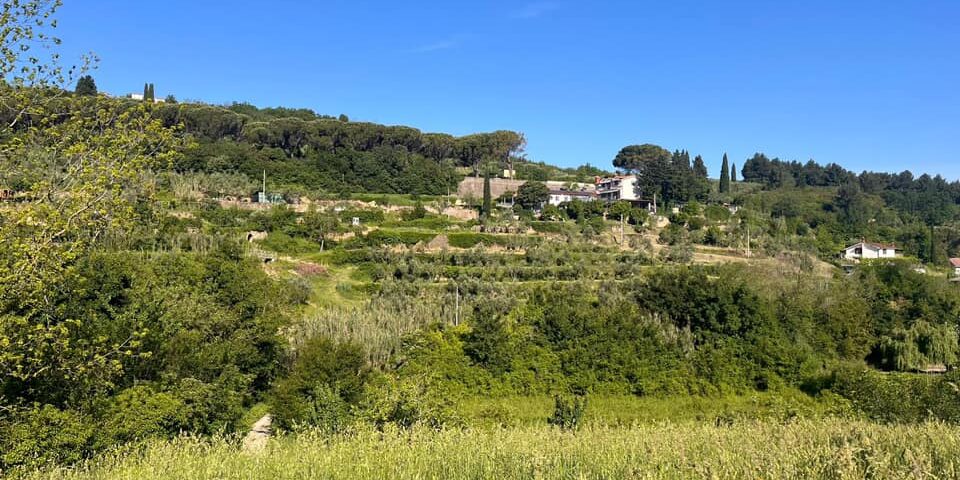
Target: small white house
(955, 264)
(870, 251)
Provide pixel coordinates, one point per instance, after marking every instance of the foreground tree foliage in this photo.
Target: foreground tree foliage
(79, 173)
(137, 345)
(82, 182)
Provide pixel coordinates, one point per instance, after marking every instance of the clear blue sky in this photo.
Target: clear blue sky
(867, 84)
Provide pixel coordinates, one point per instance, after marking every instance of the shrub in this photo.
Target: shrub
(568, 411)
(592, 226)
(716, 213)
(366, 215)
(418, 212)
(547, 227)
(138, 413)
(325, 378)
(470, 240)
(713, 236)
(673, 234)
(45, 435)
(410, 402)
(429, 222)
(692, 209)
(899, 397)
(397, 237)
(285, 244)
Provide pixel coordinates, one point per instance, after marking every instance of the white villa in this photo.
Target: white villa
(869, 250)
(620, 187)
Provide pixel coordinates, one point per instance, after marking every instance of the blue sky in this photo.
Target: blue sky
(870, 85)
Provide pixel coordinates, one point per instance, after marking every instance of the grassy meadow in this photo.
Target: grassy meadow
(830, 449)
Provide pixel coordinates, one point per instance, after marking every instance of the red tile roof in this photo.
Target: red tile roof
(955, 262)
(879, 246)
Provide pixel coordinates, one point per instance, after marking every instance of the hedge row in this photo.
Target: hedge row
(470, 240)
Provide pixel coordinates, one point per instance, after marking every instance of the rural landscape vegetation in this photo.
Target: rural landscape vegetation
(190, 290)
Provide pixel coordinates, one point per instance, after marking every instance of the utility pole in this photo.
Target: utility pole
(456, 315)
(621, 230)
(749, 254)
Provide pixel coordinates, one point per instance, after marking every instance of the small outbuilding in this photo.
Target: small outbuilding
(955, 264)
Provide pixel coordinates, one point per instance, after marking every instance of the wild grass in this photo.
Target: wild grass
(828, 449)
(379, 324)
(611, 410)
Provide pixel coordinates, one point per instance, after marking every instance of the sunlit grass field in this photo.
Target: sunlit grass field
(831, 448)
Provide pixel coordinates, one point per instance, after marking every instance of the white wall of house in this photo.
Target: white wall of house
(868, 251)
(556, 198)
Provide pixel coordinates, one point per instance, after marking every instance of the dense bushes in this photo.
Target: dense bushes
(899, 397)
(196, 339)
(326, 379)
(679, 332)
(45, 435)
(693, 330)
(382, 236)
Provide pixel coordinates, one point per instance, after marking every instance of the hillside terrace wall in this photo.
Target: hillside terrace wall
(472, 187)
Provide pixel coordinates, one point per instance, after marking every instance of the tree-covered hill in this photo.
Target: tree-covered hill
(315, 153)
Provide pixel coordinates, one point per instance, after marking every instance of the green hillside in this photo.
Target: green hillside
(363, 322)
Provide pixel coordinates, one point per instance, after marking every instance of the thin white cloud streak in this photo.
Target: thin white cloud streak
(535, 10)
(436, 47)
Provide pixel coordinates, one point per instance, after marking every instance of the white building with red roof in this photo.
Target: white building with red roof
(870, 251)
(955, 264)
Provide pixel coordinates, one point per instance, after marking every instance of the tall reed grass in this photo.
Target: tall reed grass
(829, 449)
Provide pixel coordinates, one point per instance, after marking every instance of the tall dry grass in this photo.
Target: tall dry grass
(830, 449)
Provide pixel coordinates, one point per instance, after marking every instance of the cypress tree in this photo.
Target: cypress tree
(487, 196)
(699, 168)
(725, 175)
(733, 173)
(699, 185)
(153, 98)
(146, 91)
